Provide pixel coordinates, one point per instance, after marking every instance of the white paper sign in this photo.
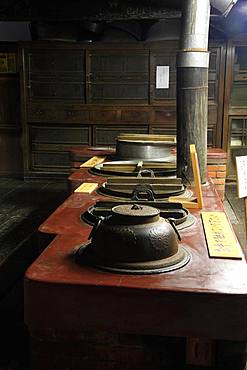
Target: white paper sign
(162, 77)
(241, 166)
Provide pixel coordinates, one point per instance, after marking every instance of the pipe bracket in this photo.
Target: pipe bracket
(193, 59)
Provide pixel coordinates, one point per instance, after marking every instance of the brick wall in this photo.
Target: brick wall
(216, 167)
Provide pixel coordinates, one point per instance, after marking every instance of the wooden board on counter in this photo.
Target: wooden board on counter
(86, 187)
(221, 241)
(97, 159)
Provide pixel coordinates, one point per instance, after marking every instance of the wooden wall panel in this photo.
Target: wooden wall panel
(106, 135)
(75, 93)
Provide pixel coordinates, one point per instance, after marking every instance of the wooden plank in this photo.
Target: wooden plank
(221, 240)
(148, 137)
(97, 159)
(196, 173)
(86, 187)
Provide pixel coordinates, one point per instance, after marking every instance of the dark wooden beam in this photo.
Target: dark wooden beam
(76, 10)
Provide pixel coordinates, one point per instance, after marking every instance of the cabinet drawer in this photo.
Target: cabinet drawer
(39, 113)
(107, 134)
(60, 134)
(165, 116)
(62, 114)
(50, 160)
(72, 115)
(134, 116)
(103, 116)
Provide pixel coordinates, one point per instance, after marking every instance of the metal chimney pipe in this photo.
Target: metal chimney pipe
(192, 83)
(192, 87)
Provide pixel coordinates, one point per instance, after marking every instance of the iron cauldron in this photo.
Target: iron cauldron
(134, 238)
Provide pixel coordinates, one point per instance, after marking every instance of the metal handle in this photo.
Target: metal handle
(172, 223)
(95, 226)
(145, 173)
(143, 189)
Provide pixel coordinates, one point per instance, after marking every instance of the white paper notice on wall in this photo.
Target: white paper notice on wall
(241, 167)
(162, 77)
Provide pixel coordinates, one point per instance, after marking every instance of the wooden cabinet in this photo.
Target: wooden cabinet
(75, 93)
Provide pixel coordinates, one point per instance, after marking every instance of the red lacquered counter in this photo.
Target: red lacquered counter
(207, 298)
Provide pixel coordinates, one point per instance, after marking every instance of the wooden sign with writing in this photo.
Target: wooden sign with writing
(221, 240)
(241, 166)
(86, 187)
(97, 159)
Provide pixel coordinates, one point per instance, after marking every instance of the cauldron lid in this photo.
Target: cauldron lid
(135, 210)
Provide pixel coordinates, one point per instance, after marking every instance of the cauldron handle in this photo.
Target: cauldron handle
(144, 189)
(96, 225)
(172, 223)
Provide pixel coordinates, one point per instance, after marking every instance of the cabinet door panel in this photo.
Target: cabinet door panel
(56, 90)
(163, 59)
(52, 161)
(109, 93)
(60, 61)
(58, 134)
(118, 62)
(118, 76)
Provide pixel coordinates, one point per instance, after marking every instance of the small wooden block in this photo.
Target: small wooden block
(221, 241)
(185, 202)
(86, 187)
(97, 159)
